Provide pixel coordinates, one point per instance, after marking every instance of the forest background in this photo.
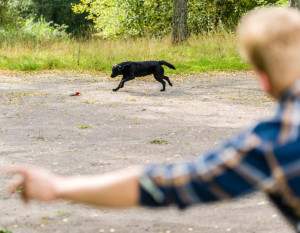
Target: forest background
(93, 35)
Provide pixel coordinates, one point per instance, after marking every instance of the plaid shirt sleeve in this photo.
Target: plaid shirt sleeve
(266, 157)
(240, 166)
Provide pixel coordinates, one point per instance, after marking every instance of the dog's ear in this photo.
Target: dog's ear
(125, 67)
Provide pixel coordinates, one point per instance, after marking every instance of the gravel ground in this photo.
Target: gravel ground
(101, 130)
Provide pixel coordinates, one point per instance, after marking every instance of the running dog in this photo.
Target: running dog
(130, 70)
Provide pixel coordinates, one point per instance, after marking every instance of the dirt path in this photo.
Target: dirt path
(100, 131)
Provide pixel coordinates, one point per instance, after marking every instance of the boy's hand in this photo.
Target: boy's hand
(35, 183)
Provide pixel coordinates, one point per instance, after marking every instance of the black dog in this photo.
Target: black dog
(130, 70)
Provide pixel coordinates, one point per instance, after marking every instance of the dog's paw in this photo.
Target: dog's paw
(114, 90)
(171, 84)
(162, 90)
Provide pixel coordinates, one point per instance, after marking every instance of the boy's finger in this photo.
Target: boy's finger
(16, 170)
(19, 188)
(15, 186)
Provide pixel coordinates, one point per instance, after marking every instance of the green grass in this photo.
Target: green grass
(84, 126)
(210, 52)
(158, 141)
(5, 231)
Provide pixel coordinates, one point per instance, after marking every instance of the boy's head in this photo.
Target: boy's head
(270, 41)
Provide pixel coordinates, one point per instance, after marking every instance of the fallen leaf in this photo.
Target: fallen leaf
(130, 99)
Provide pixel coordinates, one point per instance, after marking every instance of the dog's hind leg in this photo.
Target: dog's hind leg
(159, 79)
(168, 80)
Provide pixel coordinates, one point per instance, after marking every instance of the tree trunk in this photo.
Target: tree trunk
(179, 21)
(292, 3)
(295, 3)
(1, 7)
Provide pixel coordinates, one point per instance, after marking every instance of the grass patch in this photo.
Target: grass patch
(91, 102)
(158, 141)
(15, 97)
(84, 126)
(111, 105)
(5, 231)
(208, 52)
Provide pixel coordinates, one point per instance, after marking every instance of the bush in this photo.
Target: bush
(60, 12)
(31, 31)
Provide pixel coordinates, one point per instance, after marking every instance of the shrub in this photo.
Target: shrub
(31, 31)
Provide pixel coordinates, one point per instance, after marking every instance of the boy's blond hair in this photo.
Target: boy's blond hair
(270, 41)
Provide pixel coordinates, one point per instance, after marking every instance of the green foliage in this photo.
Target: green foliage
(127, 18)
(56, 11)
(130, 18)
(113, 18)
(32, 32)
(15, 11)
(284, 3)
(83, 126)
(145, 17)
(273, 3)
(60, 12)
(5, 231)
(212, 15)
(158, 141)
(43, 30)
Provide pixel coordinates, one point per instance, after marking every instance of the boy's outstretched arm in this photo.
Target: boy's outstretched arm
(114, 189)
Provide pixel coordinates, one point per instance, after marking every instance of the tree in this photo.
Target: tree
(158, 18)
(295, 3)
(60, 12)
(128, 18)
(1, 6)
(179, 21)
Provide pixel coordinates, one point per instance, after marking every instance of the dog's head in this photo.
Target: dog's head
(118, 69)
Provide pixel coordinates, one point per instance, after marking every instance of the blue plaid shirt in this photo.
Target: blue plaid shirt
(266, 158)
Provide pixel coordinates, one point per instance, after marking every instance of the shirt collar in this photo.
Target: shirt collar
(292, 92)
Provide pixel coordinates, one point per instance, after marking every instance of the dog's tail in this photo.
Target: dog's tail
(167, 64)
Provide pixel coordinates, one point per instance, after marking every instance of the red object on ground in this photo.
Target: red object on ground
(75, 93)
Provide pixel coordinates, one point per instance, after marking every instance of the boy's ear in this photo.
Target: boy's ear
(264, 81)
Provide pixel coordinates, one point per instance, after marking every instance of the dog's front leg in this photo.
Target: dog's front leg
(118, 87)
(123, 81)
(121, 84)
